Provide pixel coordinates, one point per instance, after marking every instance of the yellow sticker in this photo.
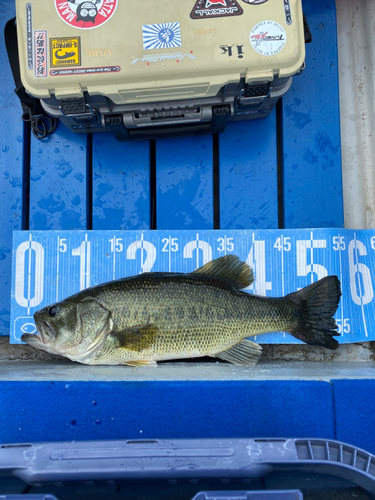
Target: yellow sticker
(65, 52)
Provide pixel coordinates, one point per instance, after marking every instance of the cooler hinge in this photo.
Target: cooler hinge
(220, 116)
(115, 124)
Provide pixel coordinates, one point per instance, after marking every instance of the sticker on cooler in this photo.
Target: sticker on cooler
(172, 56)
(65, 52)
(29, 36)
(161, 36)
(288, 13)
(83, 14)
(40, 49)
(204, 9)
(255, 2)
(85, 71)
(268, 38)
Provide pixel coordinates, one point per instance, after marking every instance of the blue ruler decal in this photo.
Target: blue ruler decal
(49, 266)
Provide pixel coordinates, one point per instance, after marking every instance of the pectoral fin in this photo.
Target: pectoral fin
(243, 353)
(136, 338)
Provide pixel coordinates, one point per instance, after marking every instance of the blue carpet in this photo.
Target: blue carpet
(53, 411)
(355, 412)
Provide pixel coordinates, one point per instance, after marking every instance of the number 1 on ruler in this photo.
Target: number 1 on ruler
(83, 251)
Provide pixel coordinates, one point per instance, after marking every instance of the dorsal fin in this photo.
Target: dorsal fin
(229, 268)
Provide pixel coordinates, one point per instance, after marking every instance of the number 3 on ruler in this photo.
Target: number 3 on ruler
(28, 274)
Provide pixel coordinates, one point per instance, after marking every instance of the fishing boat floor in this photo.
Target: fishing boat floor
(289, 175)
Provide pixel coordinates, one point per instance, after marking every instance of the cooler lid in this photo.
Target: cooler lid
(146, 51)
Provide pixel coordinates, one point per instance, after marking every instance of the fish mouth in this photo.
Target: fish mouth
(45, 335)
(32, 339)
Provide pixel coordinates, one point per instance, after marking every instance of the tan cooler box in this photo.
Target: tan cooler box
(152, 69)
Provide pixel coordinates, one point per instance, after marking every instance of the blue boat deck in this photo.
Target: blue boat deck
(283, 171)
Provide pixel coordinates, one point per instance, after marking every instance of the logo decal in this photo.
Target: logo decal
(288, 14)
(215, 8)
(40, 44)
(161, 36)
(65, 52)
(268, 38)
(228, 49)
(153, 58)
(85, 14)
(85, 71)
(29, 36)
(255, 2)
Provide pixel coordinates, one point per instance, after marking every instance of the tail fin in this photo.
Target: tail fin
(315, 306)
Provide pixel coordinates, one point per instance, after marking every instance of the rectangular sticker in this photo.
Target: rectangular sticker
(40, 50)
(29, 36)
(85, 71)
(65, 52)
(161, 36)
(288, 13)
(49, 266)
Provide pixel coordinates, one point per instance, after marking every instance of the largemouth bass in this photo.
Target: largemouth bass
(159, 316)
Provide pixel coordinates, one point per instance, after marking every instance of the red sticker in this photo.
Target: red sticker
(204, 9)
(84, 14)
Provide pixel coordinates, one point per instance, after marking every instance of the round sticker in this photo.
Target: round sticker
(268, 38)
(84, 14)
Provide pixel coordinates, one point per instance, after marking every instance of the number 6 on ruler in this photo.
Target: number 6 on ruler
(24, 255)
(360, 276)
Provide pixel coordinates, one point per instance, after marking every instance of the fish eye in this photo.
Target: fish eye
(53, 310)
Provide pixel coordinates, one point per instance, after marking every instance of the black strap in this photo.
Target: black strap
(41, 124)
(306, 30)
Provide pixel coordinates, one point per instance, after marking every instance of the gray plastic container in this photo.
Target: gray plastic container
(178, 461)
(249, 495)
(203, 495)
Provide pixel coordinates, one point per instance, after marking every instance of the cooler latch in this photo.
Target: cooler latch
(73, 106)
(79, 111)
(253, 93)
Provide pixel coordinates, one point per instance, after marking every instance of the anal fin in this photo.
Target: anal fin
(245, 352)
(143, 362)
